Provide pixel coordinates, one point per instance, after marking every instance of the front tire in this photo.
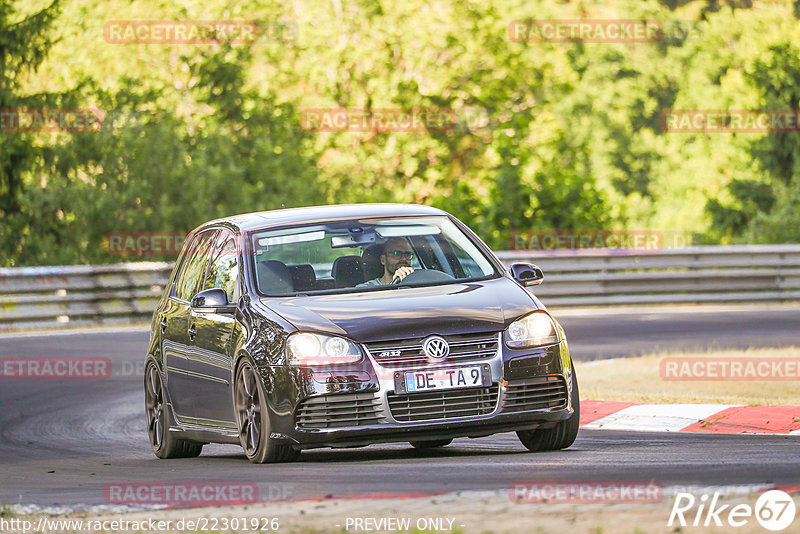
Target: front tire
(560, 436)
(164, 443)
(253, 419)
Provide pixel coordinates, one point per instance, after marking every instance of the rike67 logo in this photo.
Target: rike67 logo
(774, 510)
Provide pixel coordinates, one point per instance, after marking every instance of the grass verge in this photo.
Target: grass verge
(5, 510)
(639, 380)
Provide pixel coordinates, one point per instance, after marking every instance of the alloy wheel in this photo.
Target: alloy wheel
(248, 409)
(154, 408)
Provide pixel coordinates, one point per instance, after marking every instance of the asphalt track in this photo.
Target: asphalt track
(63, 442)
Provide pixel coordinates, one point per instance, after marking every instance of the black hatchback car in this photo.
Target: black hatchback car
(343, 326)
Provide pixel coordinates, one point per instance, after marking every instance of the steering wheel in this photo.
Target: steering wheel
(425, 276)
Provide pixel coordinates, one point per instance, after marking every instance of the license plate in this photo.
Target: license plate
(437, 379)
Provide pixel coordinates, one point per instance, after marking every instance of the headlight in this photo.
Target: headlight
(534, 330)
(305, 348)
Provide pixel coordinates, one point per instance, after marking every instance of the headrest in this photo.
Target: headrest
(303, 277)
(347, 272)
(274, 277)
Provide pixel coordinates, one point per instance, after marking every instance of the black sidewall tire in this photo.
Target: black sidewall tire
(560, 436)
(171, 445)
(572, 424)
(267, 451)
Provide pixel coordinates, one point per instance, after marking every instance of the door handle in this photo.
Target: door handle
(163, 326)
(192, 332)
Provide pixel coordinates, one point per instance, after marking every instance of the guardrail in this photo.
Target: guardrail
(40, 297)
(744, 273)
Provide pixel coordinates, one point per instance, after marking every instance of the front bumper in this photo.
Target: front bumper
(473, 428)
(514, 400)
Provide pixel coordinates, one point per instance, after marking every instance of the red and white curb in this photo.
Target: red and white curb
(708, 418)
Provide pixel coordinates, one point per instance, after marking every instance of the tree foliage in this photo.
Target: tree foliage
(546, 135)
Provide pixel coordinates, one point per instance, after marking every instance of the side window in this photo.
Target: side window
(191, 245)
(465, 261)
(191, 276)
(224, 268)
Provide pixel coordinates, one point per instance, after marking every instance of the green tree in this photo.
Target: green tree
(764, 208)
(547, 135)
(24, 44)
(232, 150)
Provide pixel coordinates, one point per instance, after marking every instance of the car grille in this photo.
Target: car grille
(409, 351)
(541, 393)
(450, 404)
(330, 411)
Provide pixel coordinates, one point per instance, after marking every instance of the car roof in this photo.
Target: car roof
(316, 214)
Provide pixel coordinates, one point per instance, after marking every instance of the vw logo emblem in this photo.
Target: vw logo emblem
(436, 348)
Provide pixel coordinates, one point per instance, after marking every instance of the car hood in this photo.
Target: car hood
(408, 312)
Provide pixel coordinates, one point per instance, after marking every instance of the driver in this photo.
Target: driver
(396, 260)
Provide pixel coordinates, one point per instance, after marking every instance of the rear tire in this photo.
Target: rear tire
(560, 436)
(165, 444)
(253, 419)
(431, 443)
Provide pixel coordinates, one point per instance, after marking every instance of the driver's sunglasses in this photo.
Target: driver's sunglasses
(401, 253)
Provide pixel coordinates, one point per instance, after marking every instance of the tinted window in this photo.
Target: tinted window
(224, 267)
(191, 275)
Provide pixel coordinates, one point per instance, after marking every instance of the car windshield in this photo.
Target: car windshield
(363, 255)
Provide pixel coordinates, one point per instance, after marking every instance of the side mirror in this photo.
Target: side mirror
(212, 298)
(527, 274)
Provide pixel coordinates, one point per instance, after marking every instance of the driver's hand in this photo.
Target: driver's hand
(402, 272)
